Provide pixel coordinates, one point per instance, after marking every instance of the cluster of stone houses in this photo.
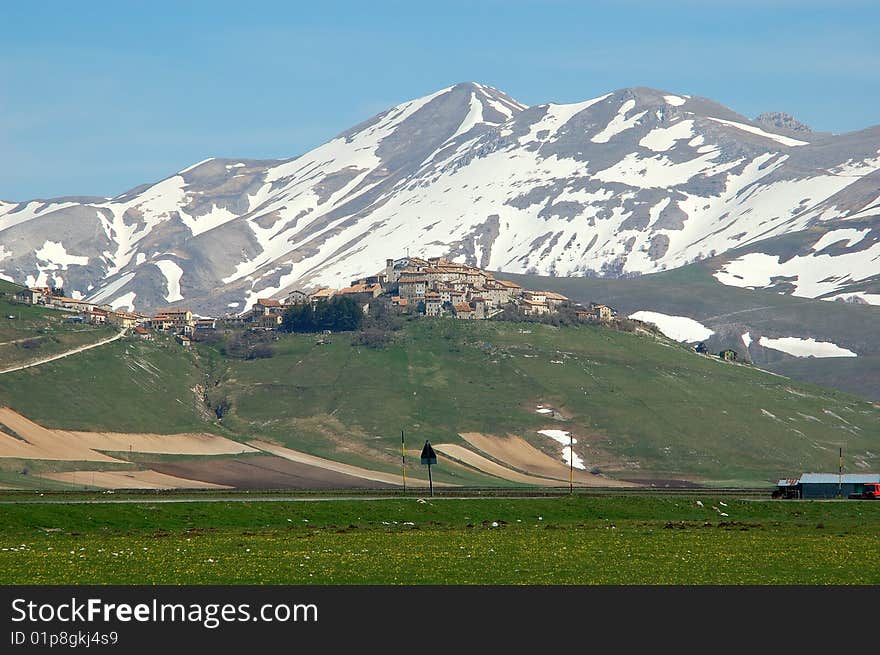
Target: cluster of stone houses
(180, 322)
(433, 287)
(439, 287)
(87, 312)
(442, 287)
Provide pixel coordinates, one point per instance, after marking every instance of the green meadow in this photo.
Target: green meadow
(581, 540)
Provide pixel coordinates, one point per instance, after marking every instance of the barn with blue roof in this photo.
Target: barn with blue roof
(824, 485)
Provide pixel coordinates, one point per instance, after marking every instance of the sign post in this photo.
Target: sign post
(429, 457)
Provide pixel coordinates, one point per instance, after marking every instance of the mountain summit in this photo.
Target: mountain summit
(632, 182)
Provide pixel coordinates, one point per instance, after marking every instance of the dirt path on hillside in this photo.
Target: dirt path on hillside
(495, 469)
(262, 472)
(129, 480)
(520, 454)
(9, 343)
(21, 437)
(67, 353)
(200, 443)
(339, 467)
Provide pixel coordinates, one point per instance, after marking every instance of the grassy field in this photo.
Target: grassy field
(580, 540)
(640, 407)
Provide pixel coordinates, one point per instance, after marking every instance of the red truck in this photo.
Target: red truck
(870, 491)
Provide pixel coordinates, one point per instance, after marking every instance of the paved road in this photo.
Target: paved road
(64, 354)
(239, 499)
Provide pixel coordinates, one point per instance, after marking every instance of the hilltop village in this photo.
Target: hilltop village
(438, 287)
(432, 287)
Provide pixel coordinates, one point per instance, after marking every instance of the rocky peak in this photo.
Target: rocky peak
(781, 120)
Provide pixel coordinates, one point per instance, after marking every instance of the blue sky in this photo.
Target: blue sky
(98, 97)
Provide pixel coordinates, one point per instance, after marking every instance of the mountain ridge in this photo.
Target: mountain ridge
(635, 181)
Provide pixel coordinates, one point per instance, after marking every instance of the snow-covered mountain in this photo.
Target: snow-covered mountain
(632, 182)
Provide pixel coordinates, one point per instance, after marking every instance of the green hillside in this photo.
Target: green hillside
(730, 311)
(30, 332)
(124, 386)
(640, 407)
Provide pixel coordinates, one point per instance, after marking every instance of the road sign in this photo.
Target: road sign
(428, 455)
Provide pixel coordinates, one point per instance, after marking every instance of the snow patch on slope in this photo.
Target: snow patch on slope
(172, 273)
(620, 123)
(194, 166)
(474, 116)
(31, 210)
(50, 259)
(806, 347)
(812, 275)
(556, 116)
(679, 328)
(56, 255)
(214, 218)
(125, 301)
(566, 440)
(850, 235)
(659, 171)
(784, 140)
(108, 291)
(661, 139)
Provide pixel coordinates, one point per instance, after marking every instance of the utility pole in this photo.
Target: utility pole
(403, 460)
(840, 473)
(570, 464)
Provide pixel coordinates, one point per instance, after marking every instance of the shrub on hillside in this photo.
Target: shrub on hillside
(337, 314)
(372, 338)
(382, 316)
(211, 337)
(562, 316)
(218, 402)
(260, 351)
(248, 345)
